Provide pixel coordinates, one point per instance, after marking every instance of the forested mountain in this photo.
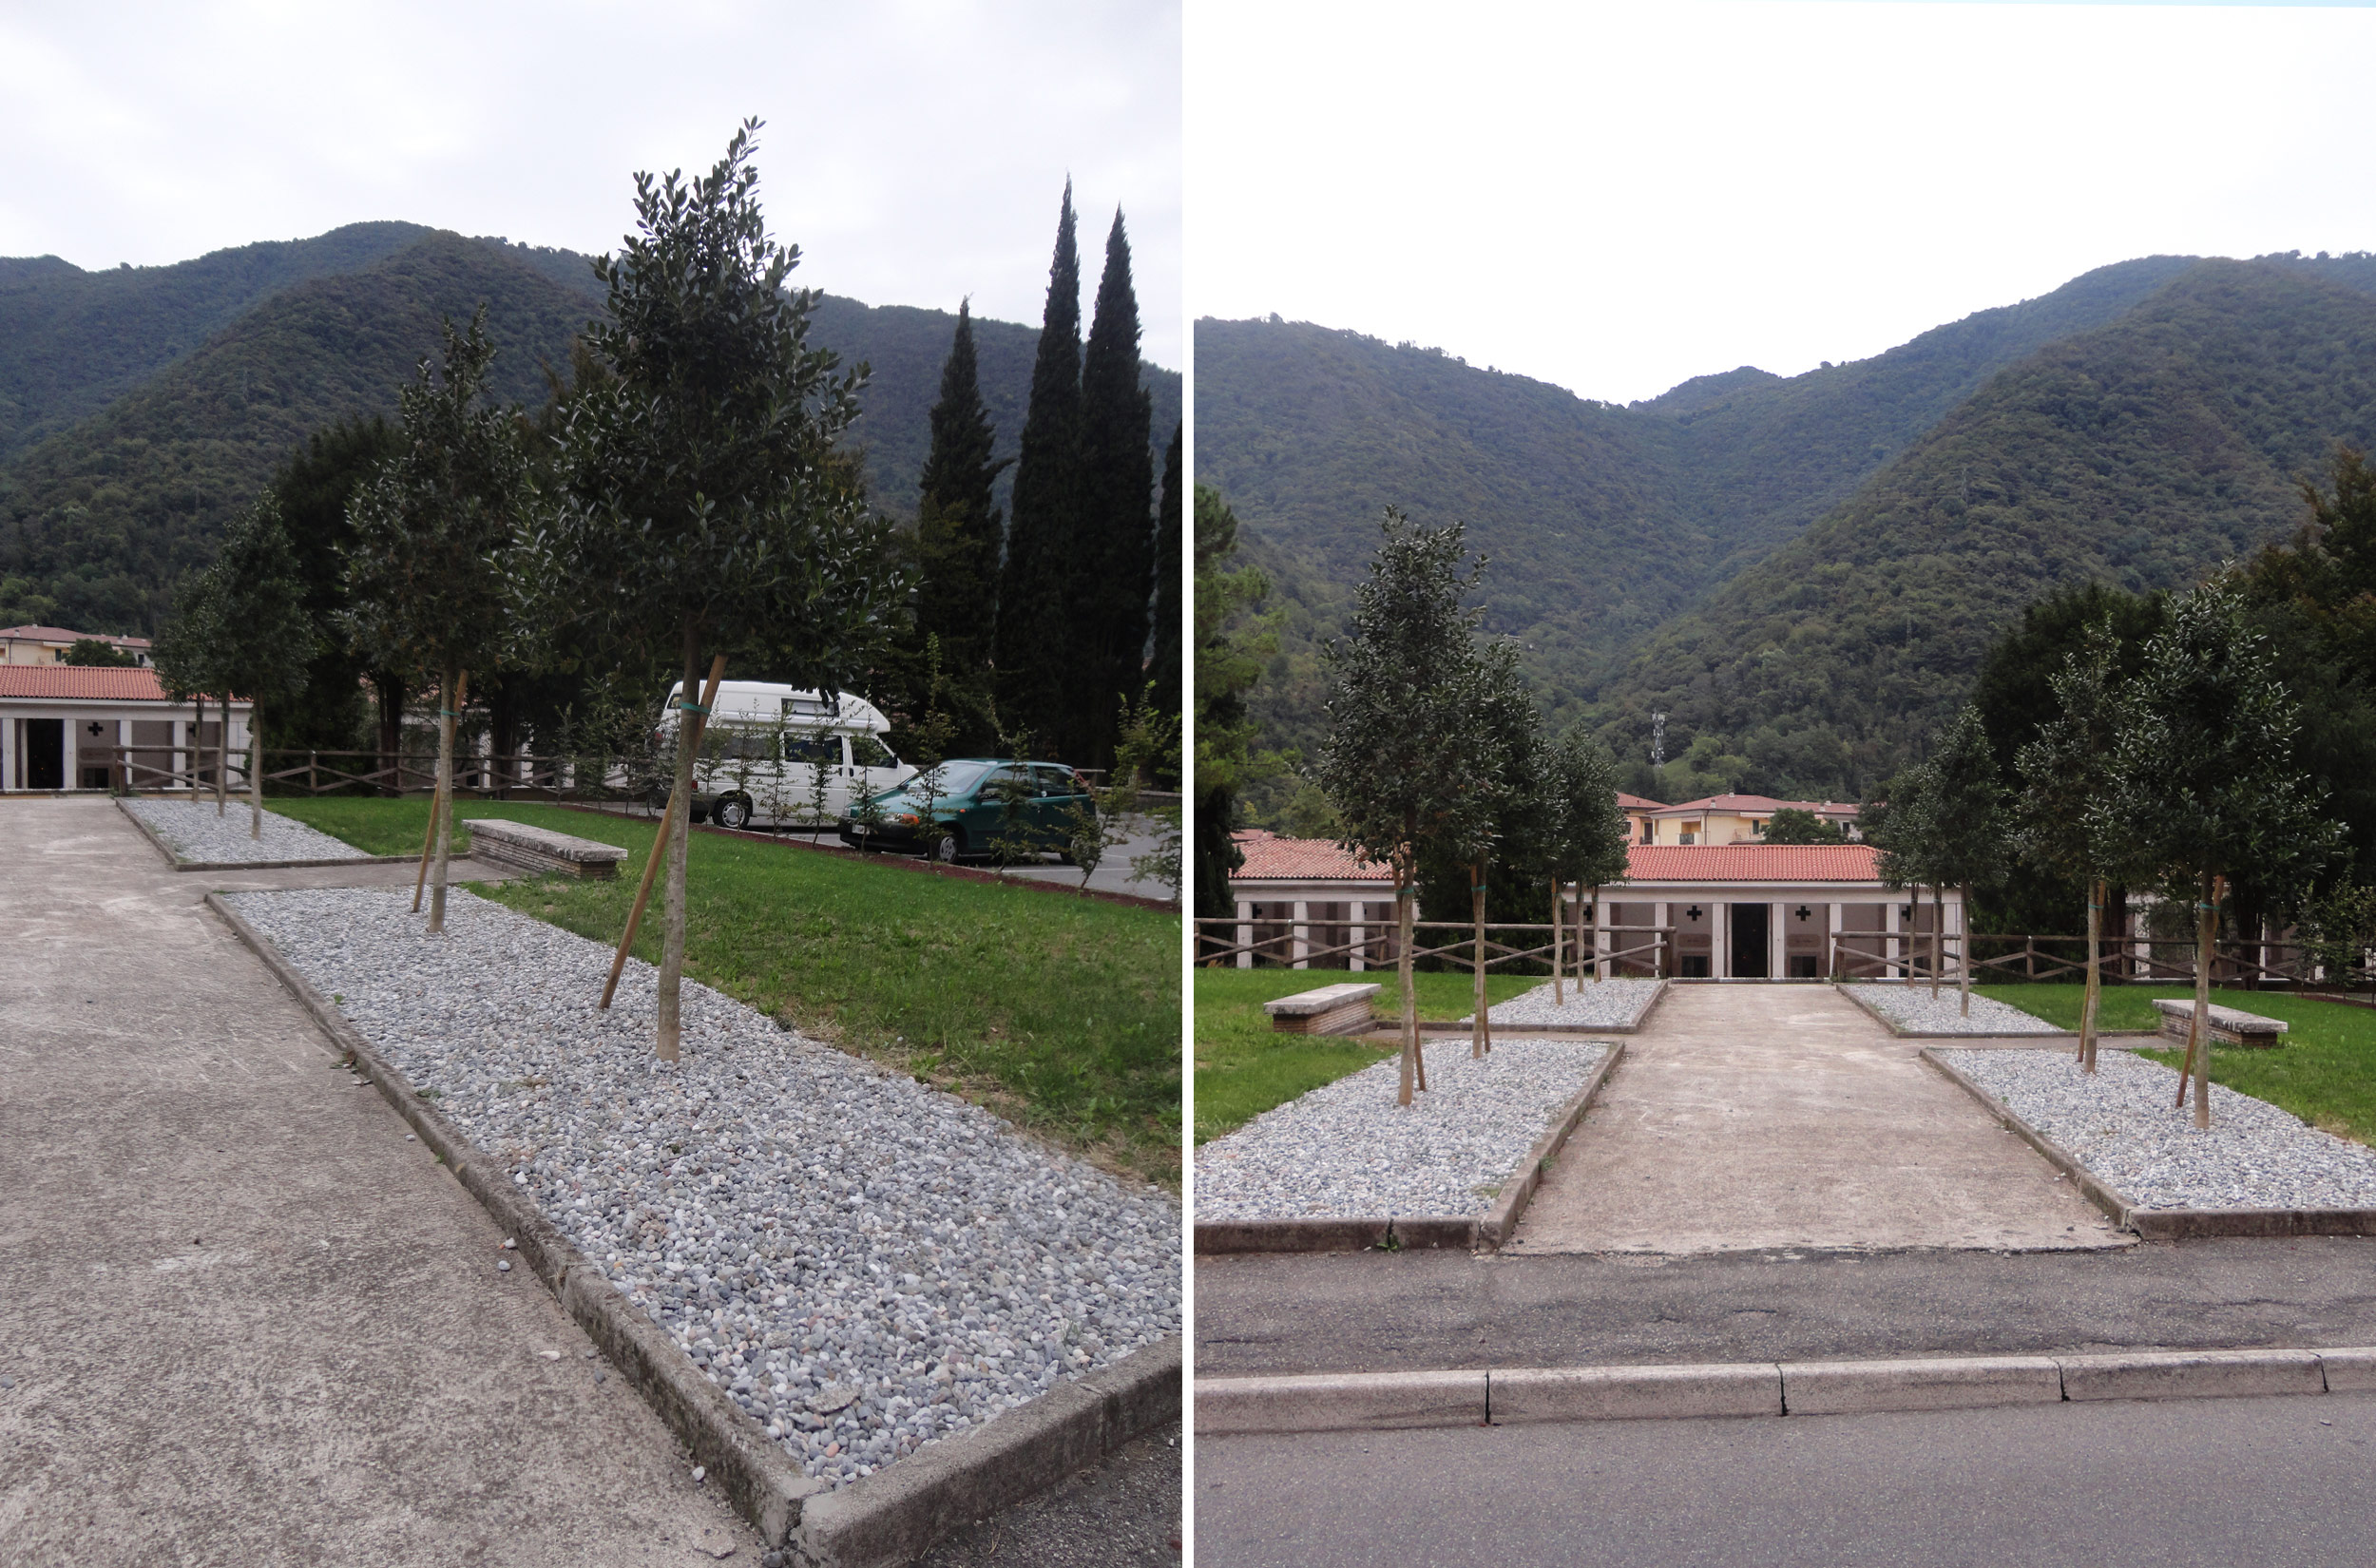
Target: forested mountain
(1658, 555)
(139, 409)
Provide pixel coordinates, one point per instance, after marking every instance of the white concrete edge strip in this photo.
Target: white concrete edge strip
(1500, 1220)
(1361, 1402)
(176, 863)
(888, 1517)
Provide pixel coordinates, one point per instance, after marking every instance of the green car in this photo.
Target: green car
(977, 806)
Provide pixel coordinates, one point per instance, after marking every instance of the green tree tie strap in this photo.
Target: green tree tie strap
(693, 707)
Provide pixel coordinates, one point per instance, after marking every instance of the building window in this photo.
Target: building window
(1690, 837)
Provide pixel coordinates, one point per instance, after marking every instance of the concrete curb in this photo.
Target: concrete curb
(1846, 988)
(888, 1517)
(1486, 1232)
(1634, 1025)
(1493, 1231)
(2161, 1224)
(176, 863)
(1360, 1402)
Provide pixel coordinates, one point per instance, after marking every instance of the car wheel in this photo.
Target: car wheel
(734, 812)
(947, 846)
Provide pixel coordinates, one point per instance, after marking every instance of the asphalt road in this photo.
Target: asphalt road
(1380, 1311)
(2210, 1482)
(1125, 1513)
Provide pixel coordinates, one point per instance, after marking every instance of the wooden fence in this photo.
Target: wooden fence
(1288, 944)
(511, 775)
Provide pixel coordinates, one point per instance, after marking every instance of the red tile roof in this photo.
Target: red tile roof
(1635, 803)
(1269, 858)
(1752, 863)
(64, 633)
(81, 682)
(1762, 803)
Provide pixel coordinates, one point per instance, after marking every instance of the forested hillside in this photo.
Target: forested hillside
(139, 409)
(1615, 531)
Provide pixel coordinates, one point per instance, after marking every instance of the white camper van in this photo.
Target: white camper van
(774, 755)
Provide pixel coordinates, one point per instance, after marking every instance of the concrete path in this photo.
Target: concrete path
(242, 1320)
(1750, 1116)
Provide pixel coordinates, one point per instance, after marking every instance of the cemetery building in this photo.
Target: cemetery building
(62, 727)
(1736, 911)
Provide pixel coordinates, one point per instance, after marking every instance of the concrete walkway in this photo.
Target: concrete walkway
(242, 1320)
(1749, 1117)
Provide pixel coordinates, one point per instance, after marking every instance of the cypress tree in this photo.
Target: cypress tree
(1032, 645)
(957, 522)
(1163, 670)
(1109, 568)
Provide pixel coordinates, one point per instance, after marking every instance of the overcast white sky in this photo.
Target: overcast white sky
(915, 152)
(1616, 198)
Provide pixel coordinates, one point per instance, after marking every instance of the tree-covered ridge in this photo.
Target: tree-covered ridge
(162, 397)
(2138, 455)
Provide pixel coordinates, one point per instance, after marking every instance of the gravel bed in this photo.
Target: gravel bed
(864, 1263)
(1611, 1004)
(1347, 1150)
(1911, 1007)
(197, 833)
(2121, 1125)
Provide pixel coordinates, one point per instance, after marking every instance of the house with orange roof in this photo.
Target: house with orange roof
(47, 645)
(63, 727)
(1731, 911)
(1734, 818)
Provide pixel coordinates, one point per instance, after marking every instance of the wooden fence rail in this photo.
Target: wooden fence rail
(288, 771)
(1291, 945)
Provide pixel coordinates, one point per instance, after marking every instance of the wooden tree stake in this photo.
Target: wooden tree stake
(688, 733)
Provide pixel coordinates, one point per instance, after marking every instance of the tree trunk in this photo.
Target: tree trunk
(680, 839)
(254, 778)
(2095, 974)
(1410, 989)
(1559, 930)
(222, 758)
(1480, 1029)
(441, 804)
(2207, 931)
(1964, 951)
(1594, 909)
(391, 688)
(1938, 936)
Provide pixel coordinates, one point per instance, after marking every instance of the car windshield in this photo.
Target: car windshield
(950, 778)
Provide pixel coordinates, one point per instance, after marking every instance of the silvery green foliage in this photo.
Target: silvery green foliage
(240, 625)
(434, 533)
(2203, 782)
(2068, 769)
(707, 501)
(1587, 837)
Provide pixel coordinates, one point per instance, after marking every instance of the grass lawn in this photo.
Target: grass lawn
(2324, 1072)
(1061, 1014)
(1243, 1068)
(382, 827)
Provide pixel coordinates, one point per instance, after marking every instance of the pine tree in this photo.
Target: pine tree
(1109, 569)
(1032, 647)
(957, 534)
(1164, 668)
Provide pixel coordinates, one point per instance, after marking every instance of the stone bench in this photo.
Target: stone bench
(1330, 1010)
(2228, 1027)
(541, 850)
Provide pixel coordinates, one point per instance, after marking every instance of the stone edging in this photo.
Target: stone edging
(1384, 1401)
(176, 863)
(2161, 1224)
(890, 1516)
(1847, 989)
(1486, 1232)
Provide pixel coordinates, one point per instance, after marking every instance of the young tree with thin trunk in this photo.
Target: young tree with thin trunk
(1589, 840)
(2205, 786)
(1968, 832)
(1404, 683)
(707, 506)
(1902, 827)
(2065, 772)
(430, 557)
(1514, 808)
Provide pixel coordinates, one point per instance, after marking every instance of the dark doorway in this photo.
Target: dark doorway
(1748, 942)
(45, 753)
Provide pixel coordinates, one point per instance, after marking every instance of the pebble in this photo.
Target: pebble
(1347, 1150)
(197, 833)
(1612, 1003)
(503, 1266)
(792, 1217)
(2121, 1124)
(1910, 1007)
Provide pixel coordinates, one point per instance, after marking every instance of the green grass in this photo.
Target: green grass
(1061, 1014)
(1244, 1067)
(382, 827)
(2324, 1072)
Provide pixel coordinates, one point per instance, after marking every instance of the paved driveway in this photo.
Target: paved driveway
(1748, 1116)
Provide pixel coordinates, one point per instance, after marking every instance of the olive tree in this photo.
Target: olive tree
(707, 505)
(1587, 839)
(433, 540)
(1404, 684)
(1969, 834)
(1512, 809)
(2204, 786)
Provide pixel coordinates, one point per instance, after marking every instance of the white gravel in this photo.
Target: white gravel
(2121, 1126)
(1910, 1006)
(1347, 1150)
(863, 1263)
(197, 833)
(1612, 1003)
